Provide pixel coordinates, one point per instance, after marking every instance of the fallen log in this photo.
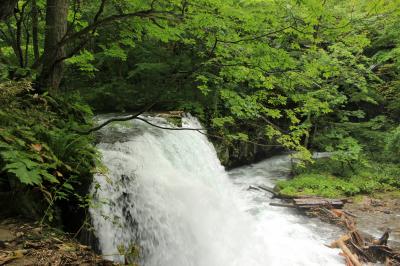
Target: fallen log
(268, 189)
(364, 249)
(341, 243)
(313, 203)
(288, 205)
(300, 199)
(356, 248)
(318, 202)
(350, 214)
(253, 187)
(308, 202)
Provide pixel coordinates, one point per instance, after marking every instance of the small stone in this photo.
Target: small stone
(19, 234)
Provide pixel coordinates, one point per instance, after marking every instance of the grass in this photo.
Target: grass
(328, 178)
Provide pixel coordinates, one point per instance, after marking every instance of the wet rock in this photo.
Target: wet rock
(242, 153)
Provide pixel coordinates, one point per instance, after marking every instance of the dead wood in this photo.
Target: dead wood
(270, 190)
(358, 249)
(287, 205)
(341, 243)
(308, 203)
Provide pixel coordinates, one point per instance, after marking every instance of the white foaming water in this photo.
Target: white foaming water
(167, 192)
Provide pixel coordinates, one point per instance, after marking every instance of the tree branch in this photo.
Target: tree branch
(94, 25)
(199, 130)
(150, 13)
(115, 119)
(100, 11)
(202, 131)
(210, 54)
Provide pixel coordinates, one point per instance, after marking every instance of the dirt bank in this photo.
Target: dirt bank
(26, 243)
(374, 214)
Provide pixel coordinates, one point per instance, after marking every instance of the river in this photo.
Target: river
(166, 193)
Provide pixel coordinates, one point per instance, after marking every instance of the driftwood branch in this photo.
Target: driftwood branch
(340, 243)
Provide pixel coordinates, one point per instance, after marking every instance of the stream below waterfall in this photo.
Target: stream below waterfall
(166, 192)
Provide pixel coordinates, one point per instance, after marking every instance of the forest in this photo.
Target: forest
(264, 77)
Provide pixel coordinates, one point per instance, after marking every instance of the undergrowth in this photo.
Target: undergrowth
(327, 178)
(41, 151)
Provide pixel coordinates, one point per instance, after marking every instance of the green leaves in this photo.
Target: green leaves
(221, 122)
(392, 145)
(84, 62)
(23, 174)
(114, 51)
(26, 168)
(347, 150)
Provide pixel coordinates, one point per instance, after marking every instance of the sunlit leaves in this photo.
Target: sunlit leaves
(114, 51)
(84, 61)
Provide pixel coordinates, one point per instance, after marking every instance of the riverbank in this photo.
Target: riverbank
(27, 243)
(371, 192)
(370, 224)
(376, 213)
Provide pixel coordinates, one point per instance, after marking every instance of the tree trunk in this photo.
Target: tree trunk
(18, 36)
(7, 8)
(35, 31)
(56, 28)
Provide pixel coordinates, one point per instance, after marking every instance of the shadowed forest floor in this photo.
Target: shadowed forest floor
(24, 243)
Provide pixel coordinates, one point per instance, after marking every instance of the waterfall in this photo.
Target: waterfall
(167, 193)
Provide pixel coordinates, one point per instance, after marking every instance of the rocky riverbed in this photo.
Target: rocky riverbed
(374, 215)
